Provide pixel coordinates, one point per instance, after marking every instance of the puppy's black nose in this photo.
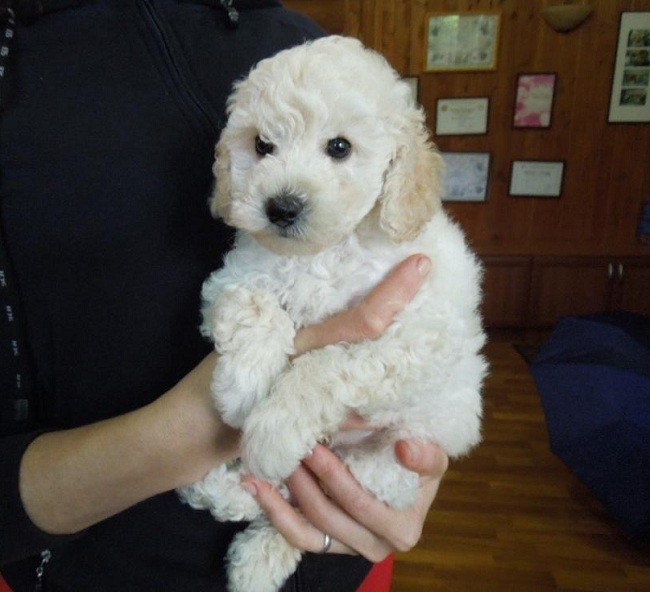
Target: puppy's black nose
(283, 210)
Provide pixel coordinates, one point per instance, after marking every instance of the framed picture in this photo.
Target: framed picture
(467, 176)
(460, 41)
(462, 116)
(536, 178)
(414, 85)
(534, 100)
(630, 98)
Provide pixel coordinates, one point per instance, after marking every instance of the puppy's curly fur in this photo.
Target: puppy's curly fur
(319, 226)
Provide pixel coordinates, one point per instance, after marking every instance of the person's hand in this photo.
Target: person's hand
(369, 319)
(212, 439)
(356, 521)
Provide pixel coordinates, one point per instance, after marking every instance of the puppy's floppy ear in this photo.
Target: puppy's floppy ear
(412, 183)
(220, 200)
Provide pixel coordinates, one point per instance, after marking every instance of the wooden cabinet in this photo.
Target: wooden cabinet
(532, 292)
(567, 286)
(585, 285)
(506, 287)
(631, 291)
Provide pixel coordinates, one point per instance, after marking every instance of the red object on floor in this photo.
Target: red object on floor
(379, 578)
(3, 585)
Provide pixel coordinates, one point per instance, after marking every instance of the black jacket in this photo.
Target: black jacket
(111, 112)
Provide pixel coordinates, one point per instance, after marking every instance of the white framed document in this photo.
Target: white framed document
(466, 176)
(536, 178)
(630, 96)
(461, 117)
(461, 41)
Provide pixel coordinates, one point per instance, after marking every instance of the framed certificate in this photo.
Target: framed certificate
(466, 176)
(536, 178)
(455, 117)
(534, 100)
(630, 97)
(461, 41)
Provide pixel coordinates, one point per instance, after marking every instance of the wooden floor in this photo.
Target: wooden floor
(511, 517)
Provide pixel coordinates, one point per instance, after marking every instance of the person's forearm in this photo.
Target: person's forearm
(73, 479)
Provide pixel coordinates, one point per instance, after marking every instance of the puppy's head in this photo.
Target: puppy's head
(322, 138)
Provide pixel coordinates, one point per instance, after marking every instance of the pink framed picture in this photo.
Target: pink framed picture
(534, 100)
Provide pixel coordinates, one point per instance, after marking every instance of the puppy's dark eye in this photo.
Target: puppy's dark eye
(263, 148)
(339, 148)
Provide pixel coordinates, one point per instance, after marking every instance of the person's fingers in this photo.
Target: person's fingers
(354, 421)
(424, 458)
(328, 516)
(369, 319)
(401, 529)
(392, 294)
(356, 520)
(289, 522)
(342, 486)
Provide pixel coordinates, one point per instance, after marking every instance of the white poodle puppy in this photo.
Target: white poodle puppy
(327, 171)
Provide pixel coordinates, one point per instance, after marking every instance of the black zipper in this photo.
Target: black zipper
(174, 67)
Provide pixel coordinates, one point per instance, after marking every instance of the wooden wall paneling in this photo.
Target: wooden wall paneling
(503, 216)
(353, 18)
(541, 215)
(384, 32)
(591, 156)
(331, 15)
(630, 162)
(416, 38)
(550, 217)
(368, 23)
(399, 53)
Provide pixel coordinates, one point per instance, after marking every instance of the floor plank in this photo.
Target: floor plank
(511, 516)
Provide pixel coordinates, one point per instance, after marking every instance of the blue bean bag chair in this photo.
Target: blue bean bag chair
(593, 376)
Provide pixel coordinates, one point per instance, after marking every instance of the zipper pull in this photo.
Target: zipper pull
(233, 15)
(40, 570)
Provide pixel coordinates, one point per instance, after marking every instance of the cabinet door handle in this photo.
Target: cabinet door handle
(610, 271)
(621, 273)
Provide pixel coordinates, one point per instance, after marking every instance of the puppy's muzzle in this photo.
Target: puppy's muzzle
(284, 210)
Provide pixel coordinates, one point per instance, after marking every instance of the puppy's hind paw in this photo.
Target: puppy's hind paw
(221, 493)
(260, 559)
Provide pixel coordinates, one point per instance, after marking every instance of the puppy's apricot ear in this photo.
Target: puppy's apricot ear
(412, 184)
(220, 198)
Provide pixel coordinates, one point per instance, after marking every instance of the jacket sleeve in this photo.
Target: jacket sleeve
(19, 536)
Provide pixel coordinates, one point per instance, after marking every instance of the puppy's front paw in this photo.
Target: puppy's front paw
(254, 338)
(274, 443)
(307, 402)
(242, 312)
